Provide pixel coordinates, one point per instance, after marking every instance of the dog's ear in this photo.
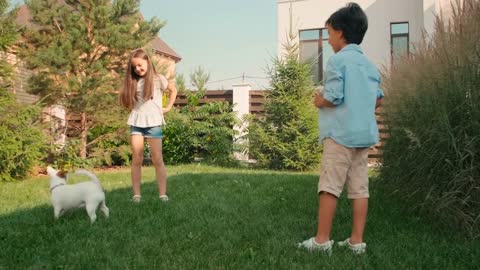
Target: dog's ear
(62, 174)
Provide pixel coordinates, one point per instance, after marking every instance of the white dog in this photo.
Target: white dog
(85, 194)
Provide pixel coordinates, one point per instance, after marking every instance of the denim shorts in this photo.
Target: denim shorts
(147, 132)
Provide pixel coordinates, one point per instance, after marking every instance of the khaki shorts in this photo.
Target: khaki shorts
(342, 165)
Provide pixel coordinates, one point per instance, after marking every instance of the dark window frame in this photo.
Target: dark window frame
(392, 36)
(319, 42)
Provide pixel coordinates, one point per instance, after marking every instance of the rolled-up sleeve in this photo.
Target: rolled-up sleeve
(333, 85)
(380, 93)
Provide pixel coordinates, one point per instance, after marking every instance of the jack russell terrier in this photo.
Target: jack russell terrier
(85, 194)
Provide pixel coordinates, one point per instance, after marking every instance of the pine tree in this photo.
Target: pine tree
(7, 26)
(78, 50)
(20, 151)
(286, 137)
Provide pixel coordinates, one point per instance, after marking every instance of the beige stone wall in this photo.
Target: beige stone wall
(165, 65)
(20, 77)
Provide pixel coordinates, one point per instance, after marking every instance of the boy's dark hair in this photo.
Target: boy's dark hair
(352, 21)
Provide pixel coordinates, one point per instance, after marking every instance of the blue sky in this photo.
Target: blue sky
(226, 37)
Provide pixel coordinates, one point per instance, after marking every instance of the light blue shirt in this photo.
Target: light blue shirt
(352, 84)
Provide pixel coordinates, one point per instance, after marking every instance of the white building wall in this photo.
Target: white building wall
(431, 8)
(311, 14)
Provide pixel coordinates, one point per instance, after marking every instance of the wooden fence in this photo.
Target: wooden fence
(256, 99)
(256, 106)
(210, 96)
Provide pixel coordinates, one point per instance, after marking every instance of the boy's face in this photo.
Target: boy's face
(335, 39)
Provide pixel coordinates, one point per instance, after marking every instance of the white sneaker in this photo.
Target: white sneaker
(357, 248)
(136, 198)
(163, 198)
(312, 245)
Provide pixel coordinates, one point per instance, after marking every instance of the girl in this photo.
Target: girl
(142, 93)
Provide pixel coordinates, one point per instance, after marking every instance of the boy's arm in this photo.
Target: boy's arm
(331, 94)
(380, 96)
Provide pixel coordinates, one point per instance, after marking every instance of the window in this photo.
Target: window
(399, 37)
(314, 47)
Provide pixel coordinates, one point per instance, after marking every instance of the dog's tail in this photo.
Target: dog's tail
(92, 176)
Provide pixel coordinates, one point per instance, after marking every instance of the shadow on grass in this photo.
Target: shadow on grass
(237, 220)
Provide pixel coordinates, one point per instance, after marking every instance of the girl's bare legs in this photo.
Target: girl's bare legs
(157, 160)
(136, 142)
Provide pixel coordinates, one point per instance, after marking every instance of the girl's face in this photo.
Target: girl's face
(335, 39)
(140, 66)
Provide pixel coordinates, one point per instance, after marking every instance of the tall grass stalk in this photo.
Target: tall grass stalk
(432, 157)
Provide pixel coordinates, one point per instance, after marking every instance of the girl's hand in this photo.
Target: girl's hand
(165, 110)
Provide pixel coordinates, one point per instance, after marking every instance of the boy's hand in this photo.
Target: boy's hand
(320, 102)
(317, 99)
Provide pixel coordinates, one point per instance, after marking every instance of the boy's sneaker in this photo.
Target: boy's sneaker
(163, 198)
(357, 248)
(312, 245)
(136, 198)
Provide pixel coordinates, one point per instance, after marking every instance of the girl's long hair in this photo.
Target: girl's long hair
(128, 96)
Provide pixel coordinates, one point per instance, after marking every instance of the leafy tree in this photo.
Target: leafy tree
(78, 50)
(286, 137)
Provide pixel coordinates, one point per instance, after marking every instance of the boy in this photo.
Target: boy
(347, 127)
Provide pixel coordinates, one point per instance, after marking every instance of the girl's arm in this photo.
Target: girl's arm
(173, 95)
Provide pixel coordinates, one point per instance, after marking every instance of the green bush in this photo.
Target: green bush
(204, 132)
(68, 158)
(110, 146)
(178, 143)
(286, 137)
(21, 138)
(432, 157)
(213, 132)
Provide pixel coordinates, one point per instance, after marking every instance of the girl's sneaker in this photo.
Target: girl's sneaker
(312, 245)
(136, 198)
(163, 198)
(357, 248)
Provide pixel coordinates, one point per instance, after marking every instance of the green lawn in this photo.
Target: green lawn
(216, 219)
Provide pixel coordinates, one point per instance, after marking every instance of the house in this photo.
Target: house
(164, 57)
(394, 26)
